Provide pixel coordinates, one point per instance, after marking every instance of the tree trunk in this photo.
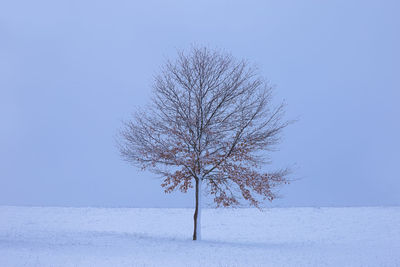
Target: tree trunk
(197, 212)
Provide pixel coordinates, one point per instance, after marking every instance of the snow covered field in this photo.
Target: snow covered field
(231, 237)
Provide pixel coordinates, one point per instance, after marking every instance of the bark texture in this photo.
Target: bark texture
(197, 211)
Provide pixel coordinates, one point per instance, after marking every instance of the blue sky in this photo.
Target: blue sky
(70, 71)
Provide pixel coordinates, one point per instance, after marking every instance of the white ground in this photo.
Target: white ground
(231, 237)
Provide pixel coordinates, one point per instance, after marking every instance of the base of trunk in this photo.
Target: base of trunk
(197, 212)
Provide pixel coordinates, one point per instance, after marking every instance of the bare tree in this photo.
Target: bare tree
(209, 125)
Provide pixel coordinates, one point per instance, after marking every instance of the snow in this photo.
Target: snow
(198, 230)
(52, 236)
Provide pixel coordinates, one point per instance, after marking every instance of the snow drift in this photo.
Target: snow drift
(34, 236)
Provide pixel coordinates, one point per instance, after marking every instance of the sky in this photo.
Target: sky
(72, 71)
